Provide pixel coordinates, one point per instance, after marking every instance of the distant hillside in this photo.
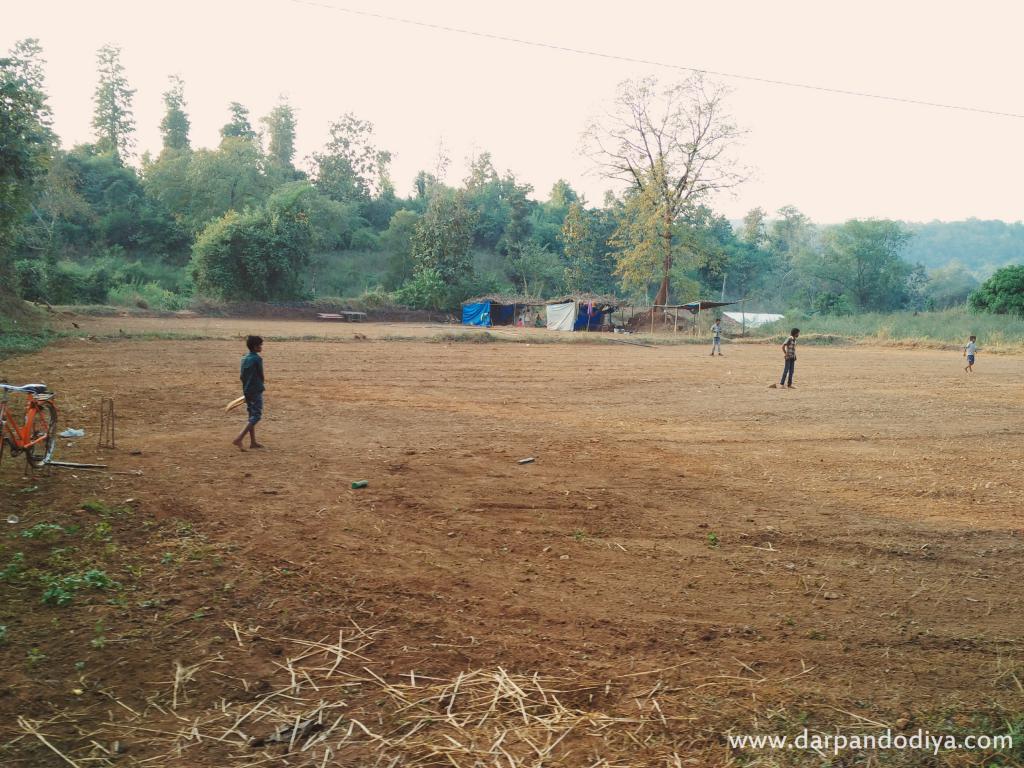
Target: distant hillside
(981, 246)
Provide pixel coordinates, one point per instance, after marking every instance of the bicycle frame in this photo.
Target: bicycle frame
(20, 438)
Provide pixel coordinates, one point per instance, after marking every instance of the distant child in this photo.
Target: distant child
(969, 352)
(252, 388)
(789, 350)
(716, 334)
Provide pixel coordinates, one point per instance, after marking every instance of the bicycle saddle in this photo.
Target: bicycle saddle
(35, 389)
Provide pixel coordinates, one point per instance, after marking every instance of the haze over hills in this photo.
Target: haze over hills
(981, 246)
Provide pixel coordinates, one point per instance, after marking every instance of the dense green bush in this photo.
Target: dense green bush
(1003, 293)
(31, 279)
(427, 290)
(146, 296)
(254, 256)
(110, 278)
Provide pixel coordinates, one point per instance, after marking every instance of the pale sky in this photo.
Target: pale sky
(834, 157)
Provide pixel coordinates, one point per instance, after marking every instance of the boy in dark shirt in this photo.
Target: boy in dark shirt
(789, 351)
(252, 389)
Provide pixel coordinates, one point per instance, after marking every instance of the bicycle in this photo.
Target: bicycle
(37, 435)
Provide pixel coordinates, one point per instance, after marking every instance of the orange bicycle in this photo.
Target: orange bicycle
(37, 435)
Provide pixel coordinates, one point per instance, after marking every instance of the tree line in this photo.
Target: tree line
(245, 221)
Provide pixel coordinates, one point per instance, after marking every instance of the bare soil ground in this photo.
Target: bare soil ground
(690, 554)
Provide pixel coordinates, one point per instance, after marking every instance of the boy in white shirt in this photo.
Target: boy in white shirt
(716, 334)
(969, 352)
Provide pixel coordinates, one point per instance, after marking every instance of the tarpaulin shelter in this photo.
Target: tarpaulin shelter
(495, 309)
(696, 306)
(753, 319)
(579, 312)
(693, 307)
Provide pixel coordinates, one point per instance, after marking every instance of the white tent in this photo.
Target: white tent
(752, 319)
(561, 317)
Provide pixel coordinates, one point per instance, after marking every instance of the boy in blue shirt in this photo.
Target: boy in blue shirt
(252, 389)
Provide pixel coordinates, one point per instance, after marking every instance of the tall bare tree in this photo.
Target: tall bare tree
(671, 144)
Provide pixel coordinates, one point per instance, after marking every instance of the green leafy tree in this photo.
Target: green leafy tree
(754, 229)
(861, 259)
(175, 124)
(1001, 294)
(581, 248)
(950, 286)
(535, 270)
(60, 217)
(239, 126)
(485, 195)
(563, 195)
(280, 124)
(640, 242)
(122, 214)
(167, 181)
(26, 139)
(397, 243)
(791, 240)
(112, 119)
(351, 167)
(255, 256)
(517, 227)
(546, 218)
(670, 144)
(230, 178)
(426, 290)
(424, 185)
(828, 303)
(443, 237)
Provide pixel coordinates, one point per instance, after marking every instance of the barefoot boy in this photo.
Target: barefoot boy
(252, 388)
(969, 352)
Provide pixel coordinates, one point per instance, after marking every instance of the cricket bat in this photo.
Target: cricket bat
(234, 403)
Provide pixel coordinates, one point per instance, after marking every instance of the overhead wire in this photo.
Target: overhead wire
(651, 62)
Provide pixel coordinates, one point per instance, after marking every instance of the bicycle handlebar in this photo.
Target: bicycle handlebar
(33, 389)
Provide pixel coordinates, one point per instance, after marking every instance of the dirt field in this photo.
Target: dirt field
(691, 554)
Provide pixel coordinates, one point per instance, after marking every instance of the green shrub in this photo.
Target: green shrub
(1002, 294)
(365, 239)
(427, 290)
(147, 296)
(31, 277)
(255, 256)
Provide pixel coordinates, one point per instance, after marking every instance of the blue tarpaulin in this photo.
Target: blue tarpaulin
(588, 318)
(477, 314)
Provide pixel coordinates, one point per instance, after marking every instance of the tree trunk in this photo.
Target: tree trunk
(662, 296)
(666, 267)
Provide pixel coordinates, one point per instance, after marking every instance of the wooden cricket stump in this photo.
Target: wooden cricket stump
(107, 418)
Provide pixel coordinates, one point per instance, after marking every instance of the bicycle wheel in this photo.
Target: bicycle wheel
(44, 423)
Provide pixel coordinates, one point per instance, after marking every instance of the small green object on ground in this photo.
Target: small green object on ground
(360, 483)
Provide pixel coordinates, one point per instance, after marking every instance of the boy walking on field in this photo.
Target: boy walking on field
(716, 335)
(969, 352)
(252, 389)
(789, 351)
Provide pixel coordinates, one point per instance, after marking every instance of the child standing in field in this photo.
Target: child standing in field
(970, 350)
(789, 351)
(252, 389)
(716, 336)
